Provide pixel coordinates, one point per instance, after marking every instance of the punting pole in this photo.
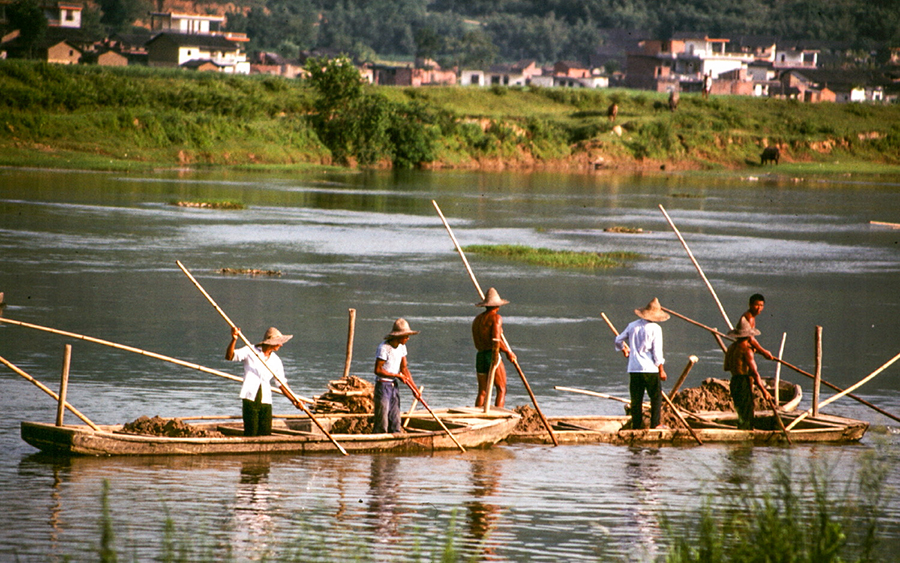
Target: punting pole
(846, 391)
(782, 362)
(684, 373)
(134, 350)
(284, 386)
(778, 367)
(666, 397)
(64, 384)
(697, 265)
(418, 395)
(503, 336)
(350, 330)
(46, 390)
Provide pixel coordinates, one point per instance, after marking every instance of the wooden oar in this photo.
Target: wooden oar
(135, 350)
(503, 336)
(284, 386)
(418, 396)
(847, 391)
(784, 363)
(697, 265)
(666, 397)
(48, 391)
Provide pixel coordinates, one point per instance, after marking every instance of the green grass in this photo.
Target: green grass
(210, 204)
(554, 258)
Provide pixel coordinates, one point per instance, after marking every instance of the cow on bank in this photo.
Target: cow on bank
(769, 154)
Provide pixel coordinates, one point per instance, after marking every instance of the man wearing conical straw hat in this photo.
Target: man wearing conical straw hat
(740, 362)
(645, 361)
(487, 327)
(256, 391)
(390, 366)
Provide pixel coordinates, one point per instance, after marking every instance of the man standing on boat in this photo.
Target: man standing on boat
(740, 362)
(756, 306)
(256, 391)
(390, 366)
(643, 341)
(486, 328)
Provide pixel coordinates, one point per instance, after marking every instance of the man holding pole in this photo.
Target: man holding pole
(390, 365)
(256, 391)
(486, 328)
(740, 362)
(756, 305)
(643, 338)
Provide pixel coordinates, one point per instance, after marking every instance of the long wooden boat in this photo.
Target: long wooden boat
(711, 427)
(289, 435)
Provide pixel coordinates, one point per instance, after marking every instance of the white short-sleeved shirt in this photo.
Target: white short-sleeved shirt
(256, 374)
(392, 357)
(646, 343)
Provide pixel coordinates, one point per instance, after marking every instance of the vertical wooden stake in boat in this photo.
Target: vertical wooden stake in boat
(284, 386)
(418, 396)
(846, 391)
(778, 369)
(666, 397)
(503, 336)
(818, 371)
(350, 330)
(697, 265)
(412, 407)
(64, 384)
(784, 363)
(137, 351)
(47, 390)
(687, 369)
(495, 364)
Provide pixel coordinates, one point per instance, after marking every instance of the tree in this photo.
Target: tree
(28, 17)
(119, 15)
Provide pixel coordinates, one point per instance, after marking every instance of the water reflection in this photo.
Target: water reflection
(481, 514)
(642, 477)
(384, 509)
(252, 512)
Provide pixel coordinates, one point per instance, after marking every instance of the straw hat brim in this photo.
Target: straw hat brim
(397, 333)
(276, 341)
(652, 316)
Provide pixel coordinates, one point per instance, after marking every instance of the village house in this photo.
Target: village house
(274, 64)
(423, 72)
(168, 49)
(840, 86)
(516, 74)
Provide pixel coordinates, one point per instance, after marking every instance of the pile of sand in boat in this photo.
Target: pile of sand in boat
(353, 395)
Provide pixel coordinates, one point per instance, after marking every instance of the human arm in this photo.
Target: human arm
(229, 351)
(497, 334)
(758, 347)
(750, 361)
(403, 375)
(620, 342)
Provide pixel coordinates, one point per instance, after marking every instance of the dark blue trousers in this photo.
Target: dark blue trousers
(649, 382)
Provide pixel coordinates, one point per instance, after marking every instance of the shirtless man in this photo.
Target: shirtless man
(740, 362)
(756, 306)
(485, 328)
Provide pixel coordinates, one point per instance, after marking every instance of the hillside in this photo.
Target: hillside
(102, 118)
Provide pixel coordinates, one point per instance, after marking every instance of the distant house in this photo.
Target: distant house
(421, 73)
(571, 69)
(841, 86)
(51, 49)
(185, 23)
(176, 49)
(110, 57)
(516, 74)
(471, 77)
(274, 64)
(796, 58)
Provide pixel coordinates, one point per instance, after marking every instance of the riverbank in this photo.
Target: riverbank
(86, 117)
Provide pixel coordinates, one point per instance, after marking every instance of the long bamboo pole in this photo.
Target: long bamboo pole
(593, 394)
(684, 373)
(135, 351)
(503, 336)
(846, 392)
(350, 331)
(284, 386)
(48, 391)
(786, 364)
(778, 368)
(64, 384)
(418, 395)
(818, 371)
(697, 265)
(412, 407)
(666, 397)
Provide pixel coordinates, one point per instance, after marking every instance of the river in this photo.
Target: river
(95, 254)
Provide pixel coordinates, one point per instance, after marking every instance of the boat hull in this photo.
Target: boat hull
(470, 432)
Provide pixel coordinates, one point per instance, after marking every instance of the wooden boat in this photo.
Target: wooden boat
(711, 427)
(289, 435)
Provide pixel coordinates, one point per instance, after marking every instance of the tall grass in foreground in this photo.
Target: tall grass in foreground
(805, 521)
(553, 258)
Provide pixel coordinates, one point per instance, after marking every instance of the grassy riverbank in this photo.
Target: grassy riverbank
(138, 118)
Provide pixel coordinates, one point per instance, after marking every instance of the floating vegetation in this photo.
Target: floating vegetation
(687, 195)
(554, 258)
(626, 230)
(248, 272)
(210, 204)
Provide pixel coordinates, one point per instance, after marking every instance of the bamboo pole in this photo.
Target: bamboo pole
(412, 407)
(666, 397)
(687, 369)
(64, 384)
(495, 365)
(697, 265)
(418, 396)
(881, 223)
(350, 331)
(134, 350)
(789, 365)
(846, 392)
(778, 369)
(48, 391)
(625, 349)
(503, 336)
(594, 394)
(818, 371)
(284, 386)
